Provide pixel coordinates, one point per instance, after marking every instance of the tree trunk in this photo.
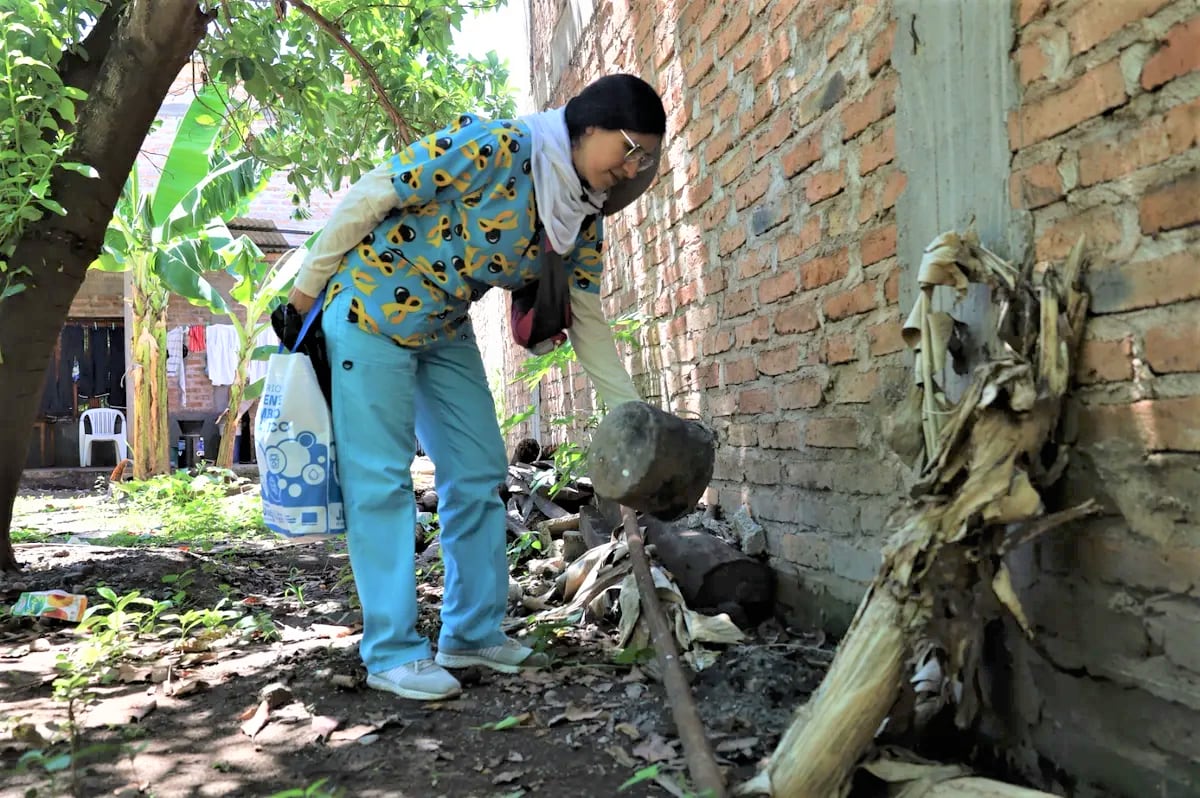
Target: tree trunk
(150, 396)
(231, 415)
(134, 52)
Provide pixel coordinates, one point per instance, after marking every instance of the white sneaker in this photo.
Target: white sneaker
(422, 680)
(508, 657)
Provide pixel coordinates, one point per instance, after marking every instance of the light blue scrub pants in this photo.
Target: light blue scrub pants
(382, 394)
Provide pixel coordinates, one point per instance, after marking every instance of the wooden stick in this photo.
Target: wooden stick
(702, 763)
(556, 526)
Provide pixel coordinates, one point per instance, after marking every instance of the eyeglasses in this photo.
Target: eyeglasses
(637, 153)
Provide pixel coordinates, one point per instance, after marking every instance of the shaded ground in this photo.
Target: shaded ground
(180, 720)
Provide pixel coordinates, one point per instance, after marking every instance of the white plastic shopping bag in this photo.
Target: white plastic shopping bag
(297, 459)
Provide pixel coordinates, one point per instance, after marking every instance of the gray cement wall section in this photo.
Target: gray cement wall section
(957, 85)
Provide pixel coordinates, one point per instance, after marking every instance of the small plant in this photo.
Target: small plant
(314, 790)
(524, 547)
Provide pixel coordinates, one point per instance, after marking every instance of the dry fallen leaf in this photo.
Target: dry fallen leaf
(332, 631)
(622, 756)
(654, 749)
(255, 723)
(120, 711)
(736, 744)
(324, 725)
(427, 744)
(629, 730)
(508, 776)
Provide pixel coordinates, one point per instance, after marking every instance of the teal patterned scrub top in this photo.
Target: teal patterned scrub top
(466, 222)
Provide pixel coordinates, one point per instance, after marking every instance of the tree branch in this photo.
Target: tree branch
(404, 133)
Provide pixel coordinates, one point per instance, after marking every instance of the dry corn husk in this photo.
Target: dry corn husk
(979, 469)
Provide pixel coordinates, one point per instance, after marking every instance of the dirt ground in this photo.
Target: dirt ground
(288, 713)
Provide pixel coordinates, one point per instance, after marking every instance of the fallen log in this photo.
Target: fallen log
(712, 575)
(707, 778)
(556, 526)
(650, 460)
(943, 576)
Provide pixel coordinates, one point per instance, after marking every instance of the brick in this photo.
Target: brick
(730, 240)
(1176, 204)
(696, 194)
(728, 106)
(739, 371)
(840, 348)
(783, 360)
(832, 433)
(892, 189)
(1029, 10)
(878, 102)
(760, 110)
(799, 318)
(878, 151)
(740, 434)
(793, 245)
(752, 332)
(1179, 55)
(755, 402)
(749, 50)
(714, 215)
(773, 289)
(1093, 93)
(775, 56)
(822, 271)
(718, 144)
(855, 387)
(1173, 627)
(837, 41)
(1152, 424)
(885, 338)
(716, 342)
(856, 300)
(803, 394)
(1099, 224)
(801, 156)
(751, 189)
(863, 13)
(891, 287)
(823, 185)
(1032, 60)
(1105, 361)
(1174, 346)
(878, 244)
(880, 52)
(733, 30)
(709, 21)
(1035, 186)
(734, 166)
(1153, 141)
(1094, 21)
(738, 303)
(713, 87)
(752, 264)
(713, 282)
(778, 132)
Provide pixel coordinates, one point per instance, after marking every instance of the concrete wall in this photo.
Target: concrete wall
(804, 173)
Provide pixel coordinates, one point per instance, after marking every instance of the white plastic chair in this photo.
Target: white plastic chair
(104, 424)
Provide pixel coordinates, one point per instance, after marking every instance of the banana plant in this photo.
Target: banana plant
(164, 238)
(258, 286)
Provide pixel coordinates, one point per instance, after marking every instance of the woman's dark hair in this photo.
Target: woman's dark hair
(616, 102)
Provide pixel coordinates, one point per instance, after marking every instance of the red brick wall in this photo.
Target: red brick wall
(765, 257)
(1105, 143)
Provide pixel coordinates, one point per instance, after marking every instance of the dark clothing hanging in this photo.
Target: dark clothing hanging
(98, 346)
(116, 367)
(78, 367)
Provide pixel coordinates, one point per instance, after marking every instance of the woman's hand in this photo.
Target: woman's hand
(301, 301)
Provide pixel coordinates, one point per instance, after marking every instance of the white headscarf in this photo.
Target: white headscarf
(562, 200)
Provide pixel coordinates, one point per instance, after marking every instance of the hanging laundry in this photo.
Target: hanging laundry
(222, 341)
(175, 352)
(116, 368)
(196, 340)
